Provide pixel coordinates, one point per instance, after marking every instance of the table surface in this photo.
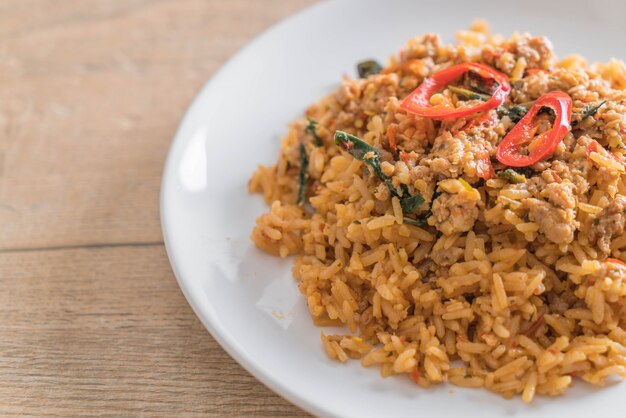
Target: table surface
(92, 321)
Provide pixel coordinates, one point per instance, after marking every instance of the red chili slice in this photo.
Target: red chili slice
(418, 102)
(532, 71)
(594, 146)
(488, 119)
(522, 134)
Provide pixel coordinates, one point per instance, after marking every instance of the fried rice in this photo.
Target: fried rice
(515, 286)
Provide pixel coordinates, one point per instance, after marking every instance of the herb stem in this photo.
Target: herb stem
(311, 128)
(468, 94)
(302, 176)
(589, 111)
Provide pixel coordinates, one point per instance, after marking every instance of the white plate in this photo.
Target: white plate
(248, 300)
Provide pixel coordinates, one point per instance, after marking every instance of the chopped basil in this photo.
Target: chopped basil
(423, 219)
(527, 172)
(512, 176)
(302, 177)
(363, 151)
(410, 204)
(311, 128)
(367, 68)
(516, 113)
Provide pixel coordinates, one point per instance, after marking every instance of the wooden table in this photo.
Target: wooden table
(91, 318)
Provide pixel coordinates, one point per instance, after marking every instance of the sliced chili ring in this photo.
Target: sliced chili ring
(543, 146)
(418, 101)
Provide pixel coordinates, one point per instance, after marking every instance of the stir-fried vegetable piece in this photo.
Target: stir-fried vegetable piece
(363, 151)
(303, 176)
(510, 149)
(589, 111)
(468, 94)
(465, 184)
(418, 102)
(367, 68)
(311, 128)
(512, 176)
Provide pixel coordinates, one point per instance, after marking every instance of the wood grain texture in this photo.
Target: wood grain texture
(92, 321)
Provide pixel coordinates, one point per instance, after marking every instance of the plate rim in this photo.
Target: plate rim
(209, 322)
